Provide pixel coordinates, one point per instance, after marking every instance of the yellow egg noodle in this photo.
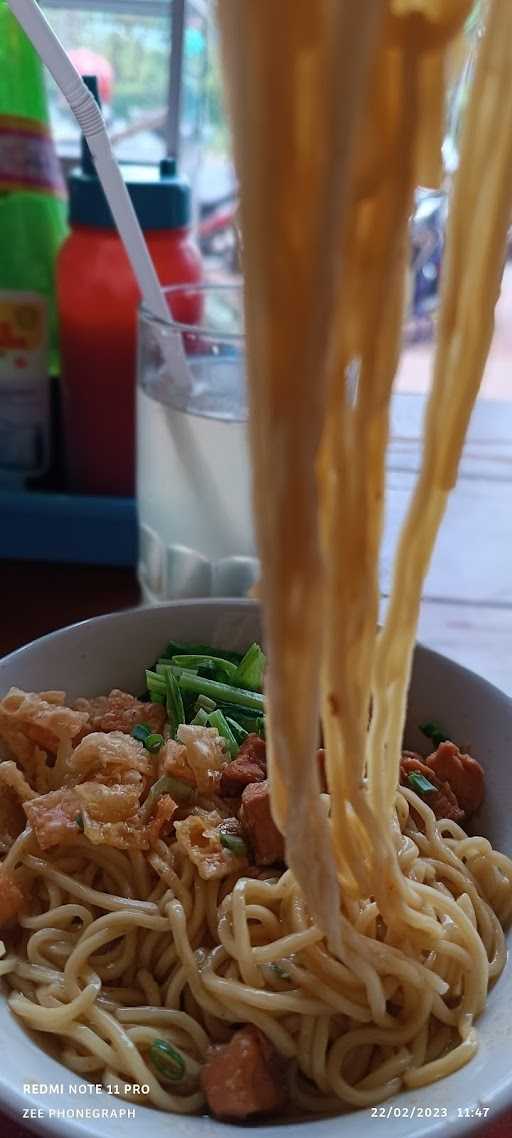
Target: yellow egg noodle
(367, 960)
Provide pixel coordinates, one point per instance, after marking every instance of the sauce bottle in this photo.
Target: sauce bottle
(98, 299)
(32, 226)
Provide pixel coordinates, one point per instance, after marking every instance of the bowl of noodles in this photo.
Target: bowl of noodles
(158, 958)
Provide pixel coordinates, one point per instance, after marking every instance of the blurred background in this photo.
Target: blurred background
(66, 552)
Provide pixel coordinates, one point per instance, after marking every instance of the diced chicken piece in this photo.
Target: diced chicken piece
(245, 1077)
(462, 772)
(108, 803)
(134, 833)
(249, 766)
(442, 801)
(199, 838)
(42, 718)
(206, 755)
(120, 711)
(172, 760)
(53, 817)
(266, 840)
(11, 896)
(111, 758)
(105, 815)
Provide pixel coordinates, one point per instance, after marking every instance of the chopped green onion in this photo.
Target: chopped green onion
(181, 791)
(260, 726)
(221, 692)
(174, 649)
(238, 731)
(164, 666)
(279, 970)
(140, 732)
(80, 821)
(192, 663)
(434, 732)
(153, 678)
(419, 783)
(167, 1060)
(153, 743)
(200, 718)
(245, 716)
(205, 703)
(173, 703)
(156, 686)
(218, 720)
(233, 842)
(249, 673)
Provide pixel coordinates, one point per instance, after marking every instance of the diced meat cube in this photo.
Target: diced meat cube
(249, 766)
(442, 801)
(11, 897)
(462, 772)
(266, 840)
(245, 1077)
(120, 711)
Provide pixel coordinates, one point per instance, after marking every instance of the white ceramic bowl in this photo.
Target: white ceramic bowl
(111, 651)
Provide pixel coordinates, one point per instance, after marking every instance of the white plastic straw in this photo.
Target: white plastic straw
(90, 119)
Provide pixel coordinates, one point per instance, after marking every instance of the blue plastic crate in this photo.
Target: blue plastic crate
(70, 528)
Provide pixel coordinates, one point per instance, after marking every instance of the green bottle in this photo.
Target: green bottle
(32, 227)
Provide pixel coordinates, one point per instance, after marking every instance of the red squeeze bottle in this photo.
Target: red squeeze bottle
(98, 300)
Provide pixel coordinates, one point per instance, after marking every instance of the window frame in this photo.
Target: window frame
(175, 70)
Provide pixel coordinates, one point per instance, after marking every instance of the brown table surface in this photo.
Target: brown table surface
(38, 598)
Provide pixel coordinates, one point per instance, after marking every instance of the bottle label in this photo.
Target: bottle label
(24, 385)
(28, 160)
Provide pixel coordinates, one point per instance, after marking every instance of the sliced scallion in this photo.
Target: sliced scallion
(233, 842)
(154, 742)
(175, 649)
(238, 731)
(173, 703)
(193, 662)
(181, 791)
(249, 673)
(434, 732)
(140, 732)
(419, 783)
(155, 686)
(205, 703)
(200, 718)
(225, 693)
(279, 970)
(218, 720)
(169, 1062)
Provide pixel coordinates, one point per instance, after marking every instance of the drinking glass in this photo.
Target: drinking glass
(193, 473)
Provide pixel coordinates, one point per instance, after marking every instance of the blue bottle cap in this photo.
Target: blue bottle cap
(161, 197)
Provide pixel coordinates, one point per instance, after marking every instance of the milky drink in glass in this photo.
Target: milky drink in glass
(193, 478)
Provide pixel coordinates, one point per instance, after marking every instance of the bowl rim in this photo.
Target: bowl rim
(13, 1101)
